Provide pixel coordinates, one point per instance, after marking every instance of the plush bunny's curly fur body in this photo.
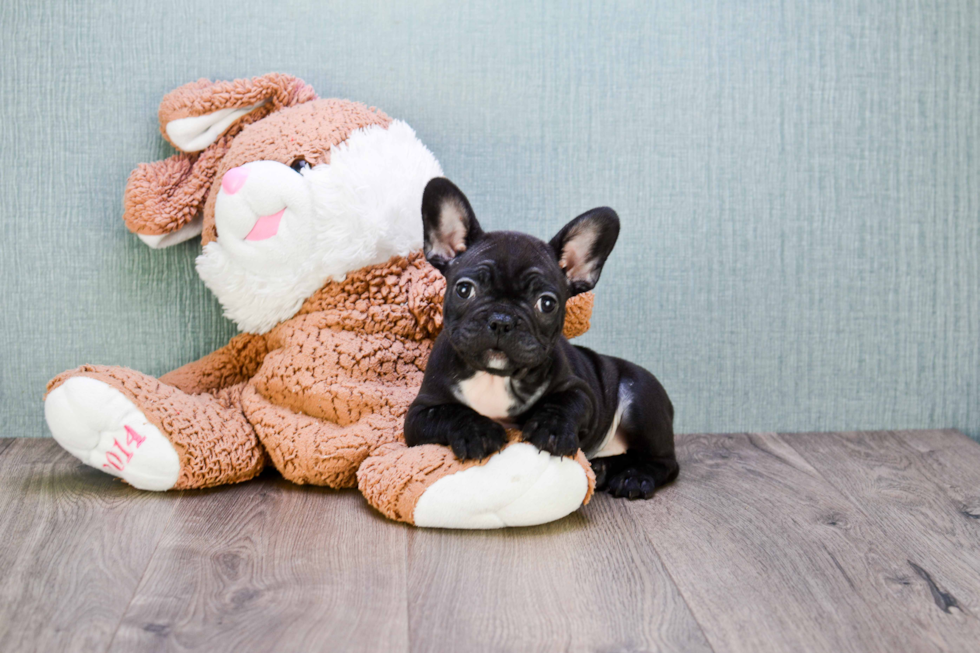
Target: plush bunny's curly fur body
(309, 211)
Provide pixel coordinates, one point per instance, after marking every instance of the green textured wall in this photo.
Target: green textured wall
(799, 182)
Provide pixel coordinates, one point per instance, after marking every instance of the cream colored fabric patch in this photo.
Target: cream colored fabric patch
(101, 427)
(520, 486)
(195, 133)
(188, 231)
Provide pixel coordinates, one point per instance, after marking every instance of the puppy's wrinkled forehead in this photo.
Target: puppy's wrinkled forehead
(509, 256)
(453, 240)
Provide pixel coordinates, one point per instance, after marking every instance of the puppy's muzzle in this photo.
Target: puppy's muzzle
(501, 324)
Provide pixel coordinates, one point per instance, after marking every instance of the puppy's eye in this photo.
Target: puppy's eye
(300, 165)
(547, 303)
(465, 289)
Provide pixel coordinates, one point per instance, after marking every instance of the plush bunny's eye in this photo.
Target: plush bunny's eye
(300, 165)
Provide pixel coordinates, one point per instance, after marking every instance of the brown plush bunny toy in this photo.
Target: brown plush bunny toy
(309, 212)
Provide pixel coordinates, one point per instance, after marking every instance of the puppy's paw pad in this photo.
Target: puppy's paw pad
(632, 484)
(104, 429)
(551, 432)
(479, 440)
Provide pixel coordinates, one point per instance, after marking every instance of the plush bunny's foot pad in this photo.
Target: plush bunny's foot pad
(104, 429)
(519, 486)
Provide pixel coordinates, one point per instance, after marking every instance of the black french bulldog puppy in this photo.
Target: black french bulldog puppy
(502, 359)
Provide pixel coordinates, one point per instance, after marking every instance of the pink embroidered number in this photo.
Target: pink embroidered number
(133, 437)
(133, 440)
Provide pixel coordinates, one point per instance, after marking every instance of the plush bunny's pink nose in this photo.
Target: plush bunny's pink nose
(234, 179)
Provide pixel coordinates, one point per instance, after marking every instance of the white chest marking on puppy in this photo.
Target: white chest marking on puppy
(488, 394)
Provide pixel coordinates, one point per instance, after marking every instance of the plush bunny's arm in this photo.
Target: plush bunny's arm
(518, 486)
(236, 362)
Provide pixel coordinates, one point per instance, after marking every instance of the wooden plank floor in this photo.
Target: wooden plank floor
(815, 542)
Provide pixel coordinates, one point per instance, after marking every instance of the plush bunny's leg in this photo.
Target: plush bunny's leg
(103, 428)
(150, 434)
(308, 450)
(518, 486)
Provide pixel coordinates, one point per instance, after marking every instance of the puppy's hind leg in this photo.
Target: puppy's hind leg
(647, 431)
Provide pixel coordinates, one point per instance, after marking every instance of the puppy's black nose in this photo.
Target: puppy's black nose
(501, 323)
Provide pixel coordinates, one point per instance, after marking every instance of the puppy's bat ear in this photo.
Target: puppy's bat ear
(583, 245)
(449, 225)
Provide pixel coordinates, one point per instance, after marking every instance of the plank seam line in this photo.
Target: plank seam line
(149, 562)
(5, 445)
(408, 608)
(680, 592)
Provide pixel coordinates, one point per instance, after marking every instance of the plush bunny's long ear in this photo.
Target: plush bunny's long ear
(195, 115)
(163, 200)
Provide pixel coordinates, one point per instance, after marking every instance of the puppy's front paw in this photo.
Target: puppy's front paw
(478, 439)
(632, 484)
(550, 431)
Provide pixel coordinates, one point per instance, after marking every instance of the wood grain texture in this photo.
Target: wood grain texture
(771, 557)
(272, 566)
(74, 545)
(890, 484)
(816, 542)
(950, 460)
(589, 582)
(32, 451)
